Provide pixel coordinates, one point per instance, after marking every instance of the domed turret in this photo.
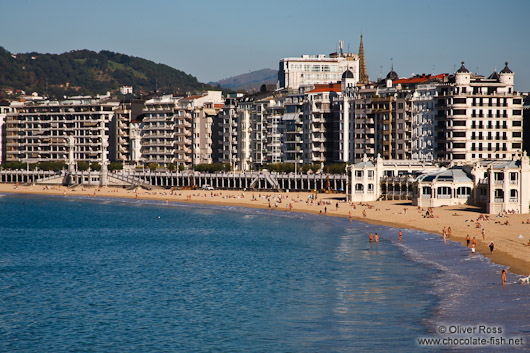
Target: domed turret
(463, 76)
(506, 75)
(506, 69)
(462, 69)
(392, 75)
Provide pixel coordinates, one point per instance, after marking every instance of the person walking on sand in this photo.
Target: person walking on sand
(468, 239)
(503, 276)
(449, 231)
(371, 238)
(376, 238)
(483, 234)
(349, 216)
(400, 235)
(474, 242)
(491, 247)
(364, 213)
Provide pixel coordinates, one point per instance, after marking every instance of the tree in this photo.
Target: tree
(95, 166)
(115, 166)
(171, 166)
(152, 166)
(82, 166)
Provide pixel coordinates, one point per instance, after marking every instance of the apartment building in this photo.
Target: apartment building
(291, 128)
(159, 130)
(479, 117)
(318, 123)
(316, 69)
(197, 112)
(38, 131)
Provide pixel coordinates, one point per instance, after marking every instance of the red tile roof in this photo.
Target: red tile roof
(331, 87)
(417, 79)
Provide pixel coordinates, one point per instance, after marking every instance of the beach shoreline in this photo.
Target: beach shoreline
(510, 249)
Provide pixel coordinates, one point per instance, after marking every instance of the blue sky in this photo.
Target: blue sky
(218, 39)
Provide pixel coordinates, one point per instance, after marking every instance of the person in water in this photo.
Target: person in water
(400, 235)
(371, 238)
(468, 240)
(376, 238)
(503, 276)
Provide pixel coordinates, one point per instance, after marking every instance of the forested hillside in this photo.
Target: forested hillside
(88, 72)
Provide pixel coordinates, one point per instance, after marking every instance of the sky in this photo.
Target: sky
(212, 40)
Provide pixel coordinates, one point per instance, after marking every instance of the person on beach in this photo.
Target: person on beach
(468, 239)
(483, 234)
(474, 242)
(491, 247)
(371, 238)
(449, 231)
(503, 276)
(445, 237)
(400, 234)
(364, 213)
(349, 216)
(472, 249)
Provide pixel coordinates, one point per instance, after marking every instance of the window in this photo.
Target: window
(516, 145)
(516, 134)
(359, 188)
(371, 188)
(516, 112)
(444, 192)
(499, 195)
(513, 195)
(516, 123)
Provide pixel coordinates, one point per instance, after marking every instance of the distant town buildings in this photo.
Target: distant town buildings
(463, 127)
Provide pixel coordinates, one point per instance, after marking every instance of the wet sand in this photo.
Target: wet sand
(510, 249)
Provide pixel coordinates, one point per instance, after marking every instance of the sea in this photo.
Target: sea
(82, 274)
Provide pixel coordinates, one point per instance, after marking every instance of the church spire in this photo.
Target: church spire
(363, 76)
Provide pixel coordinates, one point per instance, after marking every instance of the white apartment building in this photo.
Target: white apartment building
(316, 69)
(291, 128)
(423, 121)
(244, 134)
(481, 117)
(198, 111)
(159, 126)
(39, 131)
(318, 123)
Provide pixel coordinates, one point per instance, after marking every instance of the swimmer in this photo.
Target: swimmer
(400, 235)
(371, 238)
(503, 276)
(376, 238)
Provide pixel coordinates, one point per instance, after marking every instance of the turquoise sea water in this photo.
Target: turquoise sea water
(78, 274)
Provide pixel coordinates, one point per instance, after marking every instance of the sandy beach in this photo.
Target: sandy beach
(510, 239)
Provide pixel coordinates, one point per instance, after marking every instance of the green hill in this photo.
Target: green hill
(89, 73)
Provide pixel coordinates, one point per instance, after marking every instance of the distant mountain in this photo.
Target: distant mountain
(88, 72)
(249, 81)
